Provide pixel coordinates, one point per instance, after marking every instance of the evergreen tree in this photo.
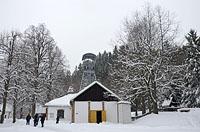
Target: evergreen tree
(191, 97)
(102, 68)
(76, 77)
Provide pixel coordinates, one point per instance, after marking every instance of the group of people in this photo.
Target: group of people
(36, 119)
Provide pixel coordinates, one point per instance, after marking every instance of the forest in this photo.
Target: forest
(147, 65)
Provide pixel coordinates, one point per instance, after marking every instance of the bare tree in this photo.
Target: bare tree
(37, 40)
(8, 44)
(148, 40)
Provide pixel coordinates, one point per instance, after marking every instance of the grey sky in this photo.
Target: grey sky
(81, 26)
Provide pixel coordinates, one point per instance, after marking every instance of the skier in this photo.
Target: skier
(57, 120)
(28, 118)
(42, 118)
(35, 120)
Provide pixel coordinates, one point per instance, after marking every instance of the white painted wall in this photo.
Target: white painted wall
(124, 113)
(52, 113)
(114, 111)
(96, 106)
(81, 112)
(111, 111)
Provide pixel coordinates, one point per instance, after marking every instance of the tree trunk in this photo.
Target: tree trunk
(49, 95)
(153, 94)
(4, 102)
(33, 106)
(149, 104)
(136, 107)
(4, 107)
(14, 111)
(155, 105)
(143, 105)
(21, 113)
(33, 109)
(155, 108)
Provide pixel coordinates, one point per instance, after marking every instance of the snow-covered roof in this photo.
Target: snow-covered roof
(167, 102)
(95, 82)
(62, 101)
(124, 102)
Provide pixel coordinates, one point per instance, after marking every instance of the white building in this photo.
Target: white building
(93, 104)
(60, 107)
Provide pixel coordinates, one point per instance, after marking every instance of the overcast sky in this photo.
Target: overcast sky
(81, 26)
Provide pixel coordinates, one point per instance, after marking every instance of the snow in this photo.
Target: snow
(172, 119)
(163, 122)
(133, 113)
(124, 102)
(62, 101)
(167, 102)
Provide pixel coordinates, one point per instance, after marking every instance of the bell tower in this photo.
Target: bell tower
(88, 64)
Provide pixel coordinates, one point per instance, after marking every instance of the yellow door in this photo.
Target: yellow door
(103, 116)
(92, 116)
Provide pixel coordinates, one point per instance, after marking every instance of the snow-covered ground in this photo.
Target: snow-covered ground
(164, 122)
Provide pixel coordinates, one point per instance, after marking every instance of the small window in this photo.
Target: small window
(60, 113)
(92, 75)
(51, 115)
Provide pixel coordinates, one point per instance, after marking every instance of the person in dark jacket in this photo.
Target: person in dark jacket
(35, 120)
(28, 118)
(57, 119)
(42, 118)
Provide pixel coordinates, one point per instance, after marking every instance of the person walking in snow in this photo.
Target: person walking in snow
(42, 118)
(28, 118)
(35, 120)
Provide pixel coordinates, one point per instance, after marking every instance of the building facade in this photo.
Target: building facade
(93, 104)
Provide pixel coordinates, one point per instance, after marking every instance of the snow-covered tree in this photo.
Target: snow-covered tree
(55, 74)
(191, 96)
(102, 68)
(32, 70)
(147, 42)
(37, 41)
(9, 67)
(76, 77)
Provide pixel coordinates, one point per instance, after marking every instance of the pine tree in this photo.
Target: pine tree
(102, 68)
(191, 97)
